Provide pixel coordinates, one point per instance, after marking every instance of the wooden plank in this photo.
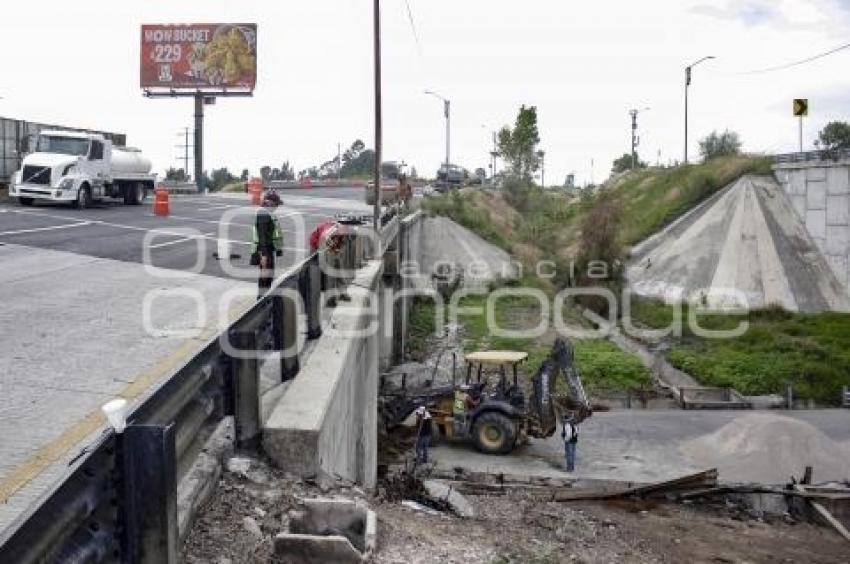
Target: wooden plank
(826, 515)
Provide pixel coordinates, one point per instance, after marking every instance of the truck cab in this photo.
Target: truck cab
(80, 168)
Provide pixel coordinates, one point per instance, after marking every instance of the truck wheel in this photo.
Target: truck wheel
(139, 193)
(127, 194)
(83, 200)
(494, 433)
(25, 201)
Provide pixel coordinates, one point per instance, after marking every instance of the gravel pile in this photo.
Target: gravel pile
(769, 449)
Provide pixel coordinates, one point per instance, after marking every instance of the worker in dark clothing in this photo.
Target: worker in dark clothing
(569, 433)
(268, 241)
(423, 434)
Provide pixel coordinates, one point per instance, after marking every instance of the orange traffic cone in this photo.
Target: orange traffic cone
(161, 204)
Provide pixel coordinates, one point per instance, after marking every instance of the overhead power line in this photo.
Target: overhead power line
(797, 63)
(413, 26)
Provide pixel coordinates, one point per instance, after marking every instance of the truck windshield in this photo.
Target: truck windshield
(63, 145)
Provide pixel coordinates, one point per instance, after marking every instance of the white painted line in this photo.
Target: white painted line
(182, 236)
(213, 221)
(50, 228)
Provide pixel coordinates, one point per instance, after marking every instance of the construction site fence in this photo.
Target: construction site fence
(812, 156)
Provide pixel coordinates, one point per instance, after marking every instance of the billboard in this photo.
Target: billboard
(199, 56)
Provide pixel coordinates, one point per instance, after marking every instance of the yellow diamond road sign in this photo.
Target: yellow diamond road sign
(801, 107)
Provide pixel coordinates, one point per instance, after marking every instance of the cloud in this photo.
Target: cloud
(748, 12)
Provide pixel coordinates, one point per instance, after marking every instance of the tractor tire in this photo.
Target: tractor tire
(494, 433)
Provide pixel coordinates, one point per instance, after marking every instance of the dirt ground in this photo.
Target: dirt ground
(507, 529)
(513, 529)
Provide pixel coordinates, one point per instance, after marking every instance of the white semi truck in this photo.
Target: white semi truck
(80, 168)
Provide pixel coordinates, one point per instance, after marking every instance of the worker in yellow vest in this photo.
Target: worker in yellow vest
(267, 241)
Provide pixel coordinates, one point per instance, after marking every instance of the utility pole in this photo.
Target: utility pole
(635, 138)
(185, 146)
(338, 162)
(376, 220)
(687, 85)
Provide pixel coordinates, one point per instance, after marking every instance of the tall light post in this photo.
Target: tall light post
(635, 138)
(447, 112)
(493, 154)
(687, 85)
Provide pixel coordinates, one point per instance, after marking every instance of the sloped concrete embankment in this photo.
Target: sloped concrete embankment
(444, 242)
(744, 247)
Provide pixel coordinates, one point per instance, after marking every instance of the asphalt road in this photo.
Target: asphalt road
(642, 446)
(185, 240)
(75, 330)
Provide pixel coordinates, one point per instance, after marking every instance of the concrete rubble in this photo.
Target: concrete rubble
(444, 492)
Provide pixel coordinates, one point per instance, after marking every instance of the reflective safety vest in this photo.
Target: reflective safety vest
(277, 235)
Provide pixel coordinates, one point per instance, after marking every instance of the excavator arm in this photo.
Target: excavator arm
(560, 360)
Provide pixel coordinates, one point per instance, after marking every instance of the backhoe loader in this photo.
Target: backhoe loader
(495, 415)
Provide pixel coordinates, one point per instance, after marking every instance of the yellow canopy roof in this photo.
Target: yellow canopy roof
(496, 357)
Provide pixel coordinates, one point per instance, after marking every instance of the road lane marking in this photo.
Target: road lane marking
(183, 240)
(50, 228)
(51, 452)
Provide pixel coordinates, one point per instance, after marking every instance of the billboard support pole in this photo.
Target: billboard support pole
(199, 141)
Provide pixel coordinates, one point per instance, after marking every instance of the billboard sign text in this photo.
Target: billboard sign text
(199, 56)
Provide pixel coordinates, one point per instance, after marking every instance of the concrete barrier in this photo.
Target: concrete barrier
(325, 425)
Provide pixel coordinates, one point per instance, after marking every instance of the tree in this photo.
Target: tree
(176, 174)
(720, 145)
(624, 163)
(836, 135)
(220, 178)
(517, 146)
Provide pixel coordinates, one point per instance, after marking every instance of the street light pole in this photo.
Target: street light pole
(447, 111)
(687, 85)
(493, 154)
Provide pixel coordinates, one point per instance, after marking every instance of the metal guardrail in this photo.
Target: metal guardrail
(809, 156)
(117, 503)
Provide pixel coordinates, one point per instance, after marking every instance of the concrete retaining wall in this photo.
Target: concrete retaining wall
(820, 193)
(326, 423)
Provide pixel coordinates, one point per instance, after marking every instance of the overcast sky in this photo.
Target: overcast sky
(583, 64)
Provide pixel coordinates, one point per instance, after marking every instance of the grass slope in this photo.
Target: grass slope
(809, 351)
